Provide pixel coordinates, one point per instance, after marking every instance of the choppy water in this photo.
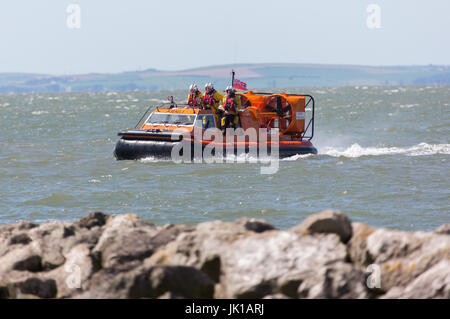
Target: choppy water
(383, 160)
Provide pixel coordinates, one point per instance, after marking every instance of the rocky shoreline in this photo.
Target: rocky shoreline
(326, 256)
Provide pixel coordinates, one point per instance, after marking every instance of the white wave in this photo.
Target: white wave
(408, 106)
(39, 112)
(297, 157)
(357, 151)
(244, 158)
(151, 159)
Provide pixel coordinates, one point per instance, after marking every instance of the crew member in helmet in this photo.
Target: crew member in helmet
(212, 98)
(231, 105)
(195, 97)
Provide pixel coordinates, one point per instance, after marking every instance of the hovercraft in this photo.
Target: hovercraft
(278, 119)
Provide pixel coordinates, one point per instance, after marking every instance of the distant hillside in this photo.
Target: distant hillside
(256, 76)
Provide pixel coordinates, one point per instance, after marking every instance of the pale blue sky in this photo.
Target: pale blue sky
(128, 35)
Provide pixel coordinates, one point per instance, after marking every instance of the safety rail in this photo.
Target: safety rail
(170, 105)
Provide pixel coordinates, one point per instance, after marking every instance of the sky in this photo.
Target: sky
(116, 36)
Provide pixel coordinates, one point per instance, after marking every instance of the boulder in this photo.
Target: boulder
(357, 246)
(275, 262)
(183, 281)
(255, 225)
(24, 258)
(327, 222)
(201, 247)
(401, 256)
(433, 283)
(21, 238)
(14, 234)
(443, 230)
(24, 284)
(72, 277)
(92, 220)
(36, 287)
(338, 280)
(149, 281)
(125, 238)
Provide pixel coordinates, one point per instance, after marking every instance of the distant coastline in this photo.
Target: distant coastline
(273, 75)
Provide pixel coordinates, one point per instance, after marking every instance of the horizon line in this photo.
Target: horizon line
(233, 65)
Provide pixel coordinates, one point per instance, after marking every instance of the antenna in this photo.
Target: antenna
(232, 78)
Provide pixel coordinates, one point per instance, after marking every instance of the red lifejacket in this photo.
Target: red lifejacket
(193, 98)
(208, 99)
(230, 104)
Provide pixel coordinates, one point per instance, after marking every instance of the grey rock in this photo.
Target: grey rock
(18, 227)
(443, 230)
(150, 282)
(273, 262)
(22, 284)
(168, 233)
(357, 246)
(187, 282)
(32, 263)
(328, 222)
(255, 225)
(339, 280)
(125, 238)
(22, 258)
(403, 256)
(38, 287)
(200, 248)
(12, 234)
(433, 283)
(22, 239)
(92, 220)
(73, 277)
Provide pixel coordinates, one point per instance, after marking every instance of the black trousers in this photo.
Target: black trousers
(229, 120)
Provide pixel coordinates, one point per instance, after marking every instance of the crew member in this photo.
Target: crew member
(212, 98)
(231, 105)
(195, 97)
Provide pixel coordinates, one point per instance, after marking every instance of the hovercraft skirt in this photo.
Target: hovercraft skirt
(138, 149)
(127, 149)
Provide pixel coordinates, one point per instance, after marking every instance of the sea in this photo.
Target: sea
(383, 159)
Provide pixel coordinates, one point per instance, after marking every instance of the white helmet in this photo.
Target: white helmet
(229, 88)
(193, 87)
(209, 85)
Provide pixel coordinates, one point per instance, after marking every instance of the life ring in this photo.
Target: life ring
(282, 107)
